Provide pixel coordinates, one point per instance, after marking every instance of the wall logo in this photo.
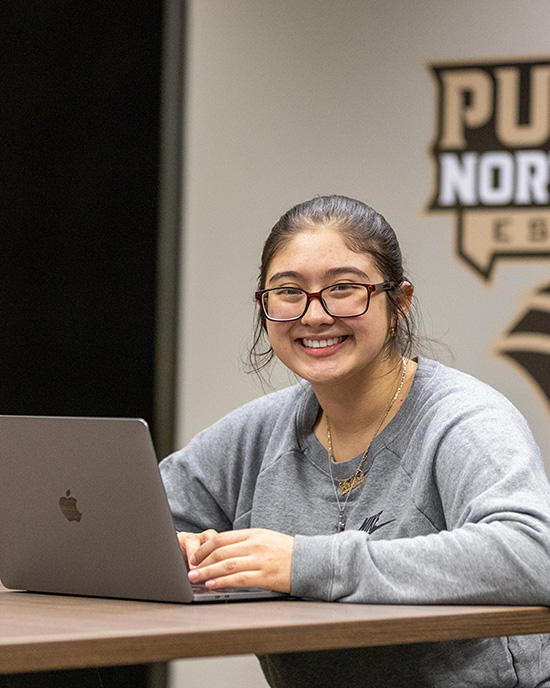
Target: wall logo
(492, 159)
(527, 341)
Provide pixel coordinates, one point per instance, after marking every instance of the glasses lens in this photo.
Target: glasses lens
(284, 304)
(346, 300)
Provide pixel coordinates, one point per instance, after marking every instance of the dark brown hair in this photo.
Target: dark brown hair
(363, 231)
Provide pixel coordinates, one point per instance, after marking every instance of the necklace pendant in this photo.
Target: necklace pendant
(352, 482)
(341, 525)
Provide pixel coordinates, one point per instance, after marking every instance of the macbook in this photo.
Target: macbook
(83, 512)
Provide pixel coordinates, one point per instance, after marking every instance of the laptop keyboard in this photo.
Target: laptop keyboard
(201, 588)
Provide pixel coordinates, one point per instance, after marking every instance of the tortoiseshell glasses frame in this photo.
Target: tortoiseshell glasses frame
(342, 300)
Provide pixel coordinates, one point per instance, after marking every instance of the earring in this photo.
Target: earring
(393, 331)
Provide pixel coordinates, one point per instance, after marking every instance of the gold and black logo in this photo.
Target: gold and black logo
(492, 159)
(527, 341)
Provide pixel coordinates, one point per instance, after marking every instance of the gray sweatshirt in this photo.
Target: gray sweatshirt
(455, 509)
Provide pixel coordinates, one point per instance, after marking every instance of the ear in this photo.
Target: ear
(404, 297)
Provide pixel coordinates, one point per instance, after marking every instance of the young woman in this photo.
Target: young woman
(378, 478)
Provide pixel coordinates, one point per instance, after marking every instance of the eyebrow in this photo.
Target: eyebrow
(332, 273)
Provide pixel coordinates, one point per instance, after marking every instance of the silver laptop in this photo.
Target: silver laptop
(83, 511)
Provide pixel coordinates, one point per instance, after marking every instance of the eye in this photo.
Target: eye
(287, 293)
(344, 289)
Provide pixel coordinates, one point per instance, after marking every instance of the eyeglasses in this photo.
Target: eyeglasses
(344, 300)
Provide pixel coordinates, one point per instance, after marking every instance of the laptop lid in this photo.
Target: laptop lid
(83, 511)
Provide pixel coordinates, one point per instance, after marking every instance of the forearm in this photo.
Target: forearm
(492, 563)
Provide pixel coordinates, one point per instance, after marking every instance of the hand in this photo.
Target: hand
(190, 542)
(240, 558)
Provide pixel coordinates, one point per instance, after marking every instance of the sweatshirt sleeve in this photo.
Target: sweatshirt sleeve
(191, 478)
(495, 548)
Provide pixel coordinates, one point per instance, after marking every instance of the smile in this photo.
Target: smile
(321, 343)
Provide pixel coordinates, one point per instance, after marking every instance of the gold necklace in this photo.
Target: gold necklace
(355, 479)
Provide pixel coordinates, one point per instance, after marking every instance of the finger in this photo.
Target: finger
(252, 557)
(216, 542)
(225, 559)
(190, 542)
(237, 568)
(247, 577)
(244, 579)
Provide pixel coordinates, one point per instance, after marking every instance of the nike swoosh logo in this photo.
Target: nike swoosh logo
(377, 527)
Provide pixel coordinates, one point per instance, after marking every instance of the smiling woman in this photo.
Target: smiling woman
(321, 335)
(381, 477)
(363, 231)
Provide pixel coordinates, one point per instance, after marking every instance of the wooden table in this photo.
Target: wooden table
(43, 632)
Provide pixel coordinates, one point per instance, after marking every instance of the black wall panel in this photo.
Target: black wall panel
(78, 241)
(80, 92)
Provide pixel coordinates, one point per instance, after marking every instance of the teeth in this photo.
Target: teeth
(321, 343)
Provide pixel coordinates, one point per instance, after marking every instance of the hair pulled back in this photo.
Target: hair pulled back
(363, 231)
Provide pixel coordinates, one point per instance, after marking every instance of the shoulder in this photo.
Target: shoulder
(455, 393)
(475, 444)
(256, 421)
(271, 407)
(458, 415)
(449, 409)
(243, 438)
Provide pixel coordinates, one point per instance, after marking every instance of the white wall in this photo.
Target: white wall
(286, 100)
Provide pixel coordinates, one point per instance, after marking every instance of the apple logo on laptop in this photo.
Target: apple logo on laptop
(69, 508)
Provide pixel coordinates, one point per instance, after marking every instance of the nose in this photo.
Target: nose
(315, 313)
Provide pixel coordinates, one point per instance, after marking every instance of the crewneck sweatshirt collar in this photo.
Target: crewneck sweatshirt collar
(309, 410)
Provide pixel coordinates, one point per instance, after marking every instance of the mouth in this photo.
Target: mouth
(319, 343)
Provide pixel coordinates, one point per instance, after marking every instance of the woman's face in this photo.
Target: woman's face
(318, 347)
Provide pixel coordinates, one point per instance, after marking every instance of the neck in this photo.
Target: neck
(355, 411)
